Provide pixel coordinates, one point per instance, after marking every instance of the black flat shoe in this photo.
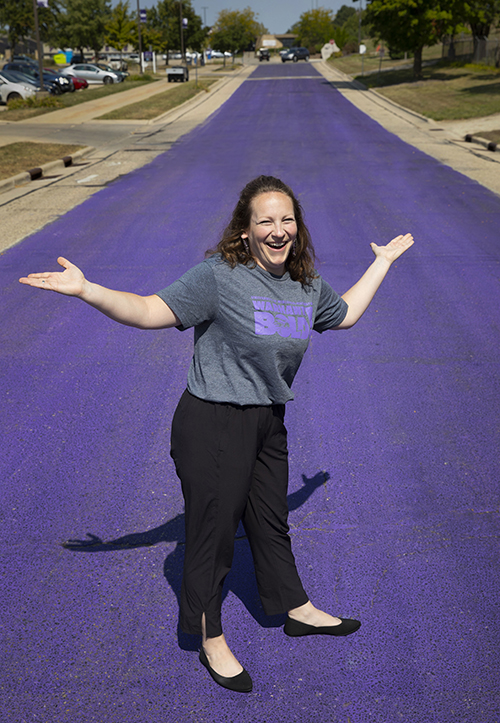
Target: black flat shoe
(296, 629)
(241, 683)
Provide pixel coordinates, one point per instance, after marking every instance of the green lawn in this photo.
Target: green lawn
(18, 157)
(161, 102)
(446, 92)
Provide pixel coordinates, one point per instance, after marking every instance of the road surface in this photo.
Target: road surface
(394, 446)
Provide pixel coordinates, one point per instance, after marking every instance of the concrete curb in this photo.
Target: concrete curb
(489, 145)
(7, 184)
(373, 92)
(196, 100)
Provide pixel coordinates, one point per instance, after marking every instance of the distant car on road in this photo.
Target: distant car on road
(93, 73)
(295, 54)
(264, 54)
(14, 91)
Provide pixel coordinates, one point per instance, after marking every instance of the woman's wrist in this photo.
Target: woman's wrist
(86, 292)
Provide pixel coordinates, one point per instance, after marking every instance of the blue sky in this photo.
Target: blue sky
(276, 15)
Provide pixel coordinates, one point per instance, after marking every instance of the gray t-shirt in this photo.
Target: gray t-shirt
(251, 329)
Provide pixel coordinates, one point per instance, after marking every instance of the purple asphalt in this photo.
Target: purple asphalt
(394, 440)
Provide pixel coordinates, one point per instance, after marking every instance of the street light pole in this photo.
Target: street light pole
(140, 39)
(359, 24)
(182, 33)
(38, 44)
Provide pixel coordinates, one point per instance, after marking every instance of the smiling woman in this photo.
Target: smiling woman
(254, 304)
(269, 215)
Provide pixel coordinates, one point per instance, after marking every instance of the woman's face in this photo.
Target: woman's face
(272, 231)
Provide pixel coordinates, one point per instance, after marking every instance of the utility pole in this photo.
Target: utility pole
(204, 8)
(182, 33)
(359, 24)
(140, 39)
(38, 44)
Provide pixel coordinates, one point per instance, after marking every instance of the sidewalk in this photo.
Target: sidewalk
(444, 140)
(91, 110)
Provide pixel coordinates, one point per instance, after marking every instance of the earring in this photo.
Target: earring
(294, 247)
(245, 244)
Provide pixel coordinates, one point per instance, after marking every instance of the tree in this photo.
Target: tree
(314, 28)
(343, 15)
(121, 29)
(235, 31)
(164, 19)
(83, 25)
(409, 25)
(480, 15)
(17, 17)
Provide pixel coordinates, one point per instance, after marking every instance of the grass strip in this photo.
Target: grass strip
(446, 92)
(18, 157)
(489, 135)
(352, 64)
(67, 100)
(160, 103)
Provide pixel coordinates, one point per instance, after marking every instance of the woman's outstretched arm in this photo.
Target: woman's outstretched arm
(359, 296)
(143, 312)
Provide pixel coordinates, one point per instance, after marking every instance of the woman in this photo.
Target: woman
(253, 305)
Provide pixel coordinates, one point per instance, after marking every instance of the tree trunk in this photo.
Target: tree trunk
(451, 49)
(417, 64)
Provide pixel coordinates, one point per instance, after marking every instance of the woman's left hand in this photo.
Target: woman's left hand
(394, 248)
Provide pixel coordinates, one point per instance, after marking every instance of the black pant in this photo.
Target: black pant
(233, 465)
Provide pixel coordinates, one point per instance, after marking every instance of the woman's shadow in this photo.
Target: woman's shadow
(239, 581)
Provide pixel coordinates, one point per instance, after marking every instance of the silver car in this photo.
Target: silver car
(94, 73)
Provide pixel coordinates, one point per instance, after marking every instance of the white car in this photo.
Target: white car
(13, 91)
(218, 54)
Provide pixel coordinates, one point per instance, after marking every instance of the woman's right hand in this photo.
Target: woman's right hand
(70, 282)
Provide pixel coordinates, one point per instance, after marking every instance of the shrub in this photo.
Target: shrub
(34, 102)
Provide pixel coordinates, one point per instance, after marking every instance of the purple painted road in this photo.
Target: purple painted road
(394, 438)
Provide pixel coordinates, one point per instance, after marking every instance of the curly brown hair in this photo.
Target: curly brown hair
(300, 264)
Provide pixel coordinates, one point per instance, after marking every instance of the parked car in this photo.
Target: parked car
(66, 83)
(12, 77)
(30, 77)
(93, 73)
(112, 69)
(55, 84)
(218, 54)
(295, 54)
(264, 54)
(79, 83)
(25, 59)
(116, 62)
(79, 58)
(13, 91)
